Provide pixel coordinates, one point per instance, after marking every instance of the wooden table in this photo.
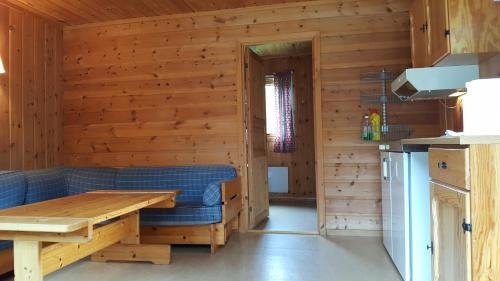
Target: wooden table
(52, 234)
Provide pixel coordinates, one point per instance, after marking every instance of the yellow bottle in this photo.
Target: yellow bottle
(375, 123)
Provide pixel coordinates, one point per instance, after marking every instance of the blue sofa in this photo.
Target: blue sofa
(210, 199)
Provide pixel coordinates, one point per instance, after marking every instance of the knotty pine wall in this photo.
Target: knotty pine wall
(30, 91)
(162, 91)
(300, 163)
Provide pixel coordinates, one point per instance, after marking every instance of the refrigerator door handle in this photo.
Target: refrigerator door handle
(385, 169)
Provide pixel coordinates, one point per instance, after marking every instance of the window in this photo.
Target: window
(271, 124)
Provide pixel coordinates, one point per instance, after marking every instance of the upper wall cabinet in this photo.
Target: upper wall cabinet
(447, 31)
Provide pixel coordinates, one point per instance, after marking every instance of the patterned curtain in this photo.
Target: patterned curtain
(285, 138)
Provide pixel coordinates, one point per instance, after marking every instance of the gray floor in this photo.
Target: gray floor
(255, 257)
(291, 216)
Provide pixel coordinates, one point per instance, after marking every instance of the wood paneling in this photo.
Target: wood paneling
(163, 91)
(451, 258)
(485, 186)
(30, 90)
(79, 12)
(258, 186)
(489, 66)
(474, 26)
(300, 163)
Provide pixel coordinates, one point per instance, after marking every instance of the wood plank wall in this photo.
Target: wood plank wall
(162, 91)
(30, 91)
(301, 173)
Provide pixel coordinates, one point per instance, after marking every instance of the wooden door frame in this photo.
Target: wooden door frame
(314, 38)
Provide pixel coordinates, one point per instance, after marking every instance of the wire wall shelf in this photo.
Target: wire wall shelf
(396, 132)
(389, 132)
(379, 99)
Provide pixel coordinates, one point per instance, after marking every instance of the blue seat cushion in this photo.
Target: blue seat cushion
(184, 213)
(42, 185)
(81, 180)
(192, 180)
(12, 189)
(5, 245)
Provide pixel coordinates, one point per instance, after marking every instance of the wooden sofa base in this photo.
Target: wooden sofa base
(212, 234)
(6, 261)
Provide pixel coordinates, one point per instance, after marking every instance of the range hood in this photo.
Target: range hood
(433, 82)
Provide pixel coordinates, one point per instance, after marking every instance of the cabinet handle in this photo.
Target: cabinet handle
(422, 28)
(467, 227)
(446, 33)
(431, 247)
(442, 165)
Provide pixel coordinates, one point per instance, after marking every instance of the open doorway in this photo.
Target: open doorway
(281, 137)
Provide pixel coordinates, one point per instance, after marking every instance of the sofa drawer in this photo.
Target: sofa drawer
(450, 166)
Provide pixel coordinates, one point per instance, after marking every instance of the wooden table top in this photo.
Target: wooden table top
(71, 213)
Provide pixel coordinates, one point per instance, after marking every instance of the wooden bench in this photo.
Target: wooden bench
(212, 234)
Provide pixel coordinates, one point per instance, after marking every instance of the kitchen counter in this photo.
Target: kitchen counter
(455, 140)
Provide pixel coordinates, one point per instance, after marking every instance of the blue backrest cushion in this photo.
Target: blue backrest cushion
(192, 180)
(81, 180)
(212, 195)
(12, 189)
(42, 185)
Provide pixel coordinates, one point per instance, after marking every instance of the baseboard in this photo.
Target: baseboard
(263, 231)
(284, 198)
(353, 232)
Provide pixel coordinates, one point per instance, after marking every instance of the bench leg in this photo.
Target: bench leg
(213, 239)
(28, 261)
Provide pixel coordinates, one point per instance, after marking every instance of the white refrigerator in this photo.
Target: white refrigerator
(406, 213)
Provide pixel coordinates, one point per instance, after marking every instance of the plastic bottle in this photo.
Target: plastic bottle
(366, 133)
(375, 124)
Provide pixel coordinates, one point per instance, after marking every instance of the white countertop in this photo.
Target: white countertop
(455, 140)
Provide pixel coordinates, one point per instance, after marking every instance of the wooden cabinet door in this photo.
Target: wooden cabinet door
(258, 189)
(418, 32)
(450, 209)
(438, 29)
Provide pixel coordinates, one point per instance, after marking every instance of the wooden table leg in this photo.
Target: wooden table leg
(130, 249)
(27, 261)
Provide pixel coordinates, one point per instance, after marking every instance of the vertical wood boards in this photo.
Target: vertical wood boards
(163, 91)
(258, 191)
(28, 64)
(23, 104)
(438, 23)
(451, 244)
(474, 25)
(4, 90)
(418, 37)
(301, 174)
(16, 89)
(485, 186)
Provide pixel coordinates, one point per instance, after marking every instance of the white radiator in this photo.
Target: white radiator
(278, 179)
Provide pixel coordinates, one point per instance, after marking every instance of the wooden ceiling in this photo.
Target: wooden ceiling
(74, 12)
